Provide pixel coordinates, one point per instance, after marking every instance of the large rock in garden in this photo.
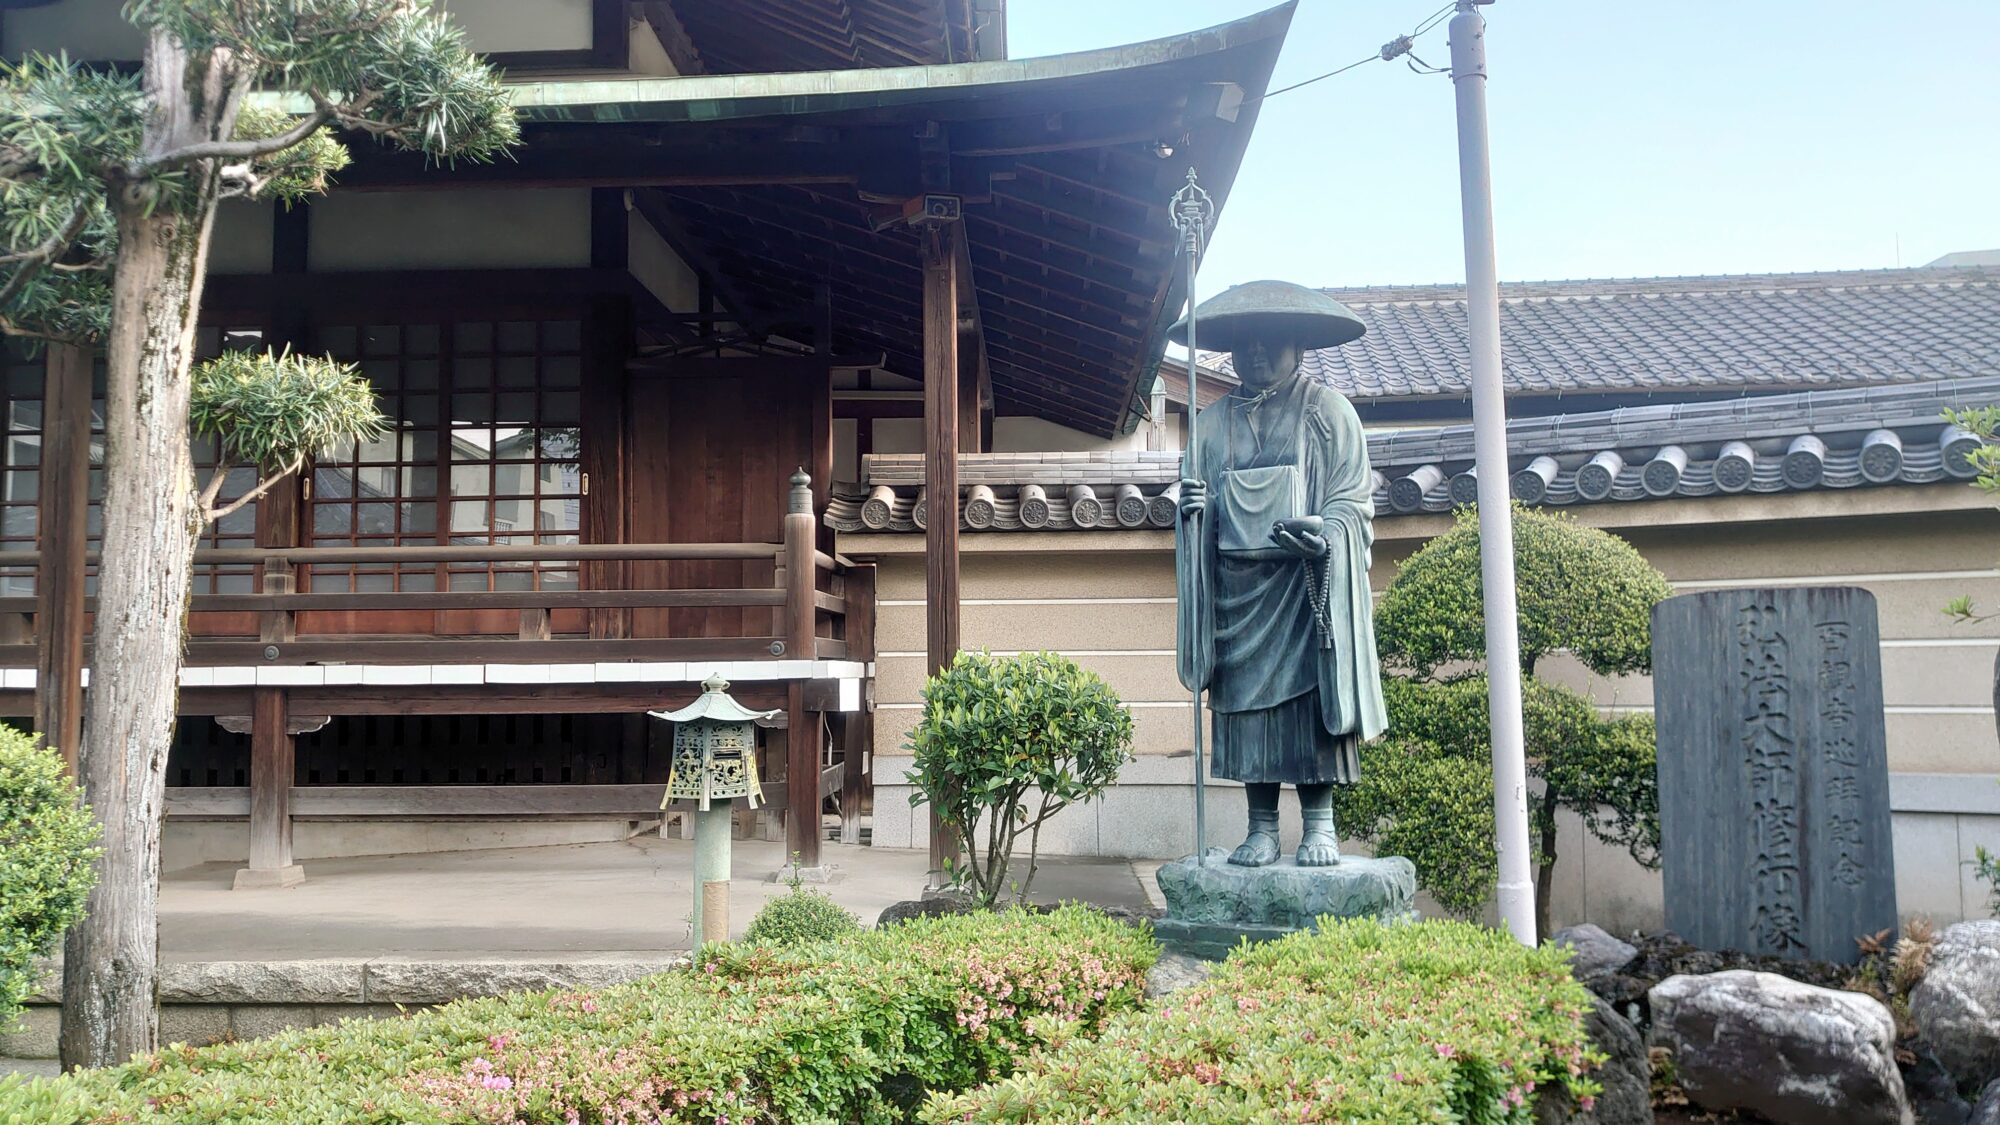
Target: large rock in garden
(1595, 953)
(1957, 1005)
(1213, 905)
(1175, 971)
(1627, 1076)
(1987, 1110)
(1797, 1054)
(935, 907)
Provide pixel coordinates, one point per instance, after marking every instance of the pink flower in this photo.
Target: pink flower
(497, 1082)
(1445, 1050)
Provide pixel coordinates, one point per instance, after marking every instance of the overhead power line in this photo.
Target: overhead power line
(1397, 48)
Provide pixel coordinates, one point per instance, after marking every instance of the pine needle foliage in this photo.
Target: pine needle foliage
(71, 136)
(268, 409)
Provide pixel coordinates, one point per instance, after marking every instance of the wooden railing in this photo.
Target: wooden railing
(816, 605)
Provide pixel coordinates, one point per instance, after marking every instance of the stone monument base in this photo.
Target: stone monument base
(1214, 905)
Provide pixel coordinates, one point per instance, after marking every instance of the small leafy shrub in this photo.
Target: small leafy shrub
(1986, 868)
(862, 1029)
(1358, 1023)
(47, 861)
(994, 730)
(801, 917)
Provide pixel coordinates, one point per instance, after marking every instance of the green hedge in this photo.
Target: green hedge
(1358, 1023)
(858, 1030)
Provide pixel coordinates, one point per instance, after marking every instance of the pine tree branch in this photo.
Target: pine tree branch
(213, 488)
(32, 261)
(249, 148)
(263, 486)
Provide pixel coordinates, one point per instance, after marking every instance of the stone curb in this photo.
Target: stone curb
(379, 981)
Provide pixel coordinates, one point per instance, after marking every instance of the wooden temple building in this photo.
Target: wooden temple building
(623, 369)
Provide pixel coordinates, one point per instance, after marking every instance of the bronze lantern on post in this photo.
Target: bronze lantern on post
(714, 762)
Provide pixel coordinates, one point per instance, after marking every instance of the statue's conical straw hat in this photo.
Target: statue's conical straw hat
(1270, 308)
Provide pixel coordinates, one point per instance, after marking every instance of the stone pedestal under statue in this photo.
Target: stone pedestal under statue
(1211, 907)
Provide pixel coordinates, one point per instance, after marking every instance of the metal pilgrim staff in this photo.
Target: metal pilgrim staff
(1272, 554)
(1193, 212)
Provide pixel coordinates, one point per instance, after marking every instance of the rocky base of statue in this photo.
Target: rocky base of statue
(1213, 906)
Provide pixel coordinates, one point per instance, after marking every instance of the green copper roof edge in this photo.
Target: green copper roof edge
(726, 96)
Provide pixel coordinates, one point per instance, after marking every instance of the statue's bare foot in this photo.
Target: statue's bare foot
(1259, 849)
(1318, 849)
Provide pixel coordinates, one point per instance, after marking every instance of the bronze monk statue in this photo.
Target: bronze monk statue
(1272, 556)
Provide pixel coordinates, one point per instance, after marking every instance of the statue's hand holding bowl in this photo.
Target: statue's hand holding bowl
(1304, 536)
(1194, 497)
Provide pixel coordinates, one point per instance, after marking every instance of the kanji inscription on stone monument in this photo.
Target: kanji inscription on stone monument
(1773, 769)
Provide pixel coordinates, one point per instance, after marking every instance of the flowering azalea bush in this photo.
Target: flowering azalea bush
(1359, 1022)
(858, 1030)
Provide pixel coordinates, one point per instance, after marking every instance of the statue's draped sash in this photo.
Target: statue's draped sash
(1248, 629)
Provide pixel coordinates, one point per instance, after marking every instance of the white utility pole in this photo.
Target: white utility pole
(1489, 438)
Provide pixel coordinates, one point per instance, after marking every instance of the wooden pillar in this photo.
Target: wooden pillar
(273, 758)
(941, 235)
(604, 436)
(802, 743)
(59, 580)
(857, 729)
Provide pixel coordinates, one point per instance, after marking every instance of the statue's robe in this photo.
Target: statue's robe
(1293, 689)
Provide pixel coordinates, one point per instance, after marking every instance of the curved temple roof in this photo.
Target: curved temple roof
(776, 185)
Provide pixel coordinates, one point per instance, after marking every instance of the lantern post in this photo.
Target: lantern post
(714, 762)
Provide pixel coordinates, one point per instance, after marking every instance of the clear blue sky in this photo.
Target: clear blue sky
(1629, 139)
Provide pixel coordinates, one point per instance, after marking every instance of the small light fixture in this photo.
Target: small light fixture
(1162, 149)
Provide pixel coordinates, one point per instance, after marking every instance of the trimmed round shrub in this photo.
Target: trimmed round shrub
(997, 729)
(1579, 589)
(47, 861)
(799, 918)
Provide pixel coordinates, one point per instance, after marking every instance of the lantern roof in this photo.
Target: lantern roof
(716, 705)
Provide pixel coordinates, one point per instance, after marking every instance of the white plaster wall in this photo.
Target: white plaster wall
(522, 25)
(242, 239)
(846, 449)
(657, 267)
(98, 30)
(899, 435)
(90, 30)
(645, 55)
(547, 228)
(1028, 434)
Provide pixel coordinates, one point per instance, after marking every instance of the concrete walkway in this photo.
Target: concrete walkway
(630, 896)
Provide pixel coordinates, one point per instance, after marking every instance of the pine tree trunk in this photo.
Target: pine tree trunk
(151, 519)
(1545, 871)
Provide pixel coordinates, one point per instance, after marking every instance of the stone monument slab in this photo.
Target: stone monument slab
(1212, 906)
(1773, 770)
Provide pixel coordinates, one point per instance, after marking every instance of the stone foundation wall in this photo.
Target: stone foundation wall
(207, 1002)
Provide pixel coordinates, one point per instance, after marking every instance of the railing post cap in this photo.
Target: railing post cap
(801, 499)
